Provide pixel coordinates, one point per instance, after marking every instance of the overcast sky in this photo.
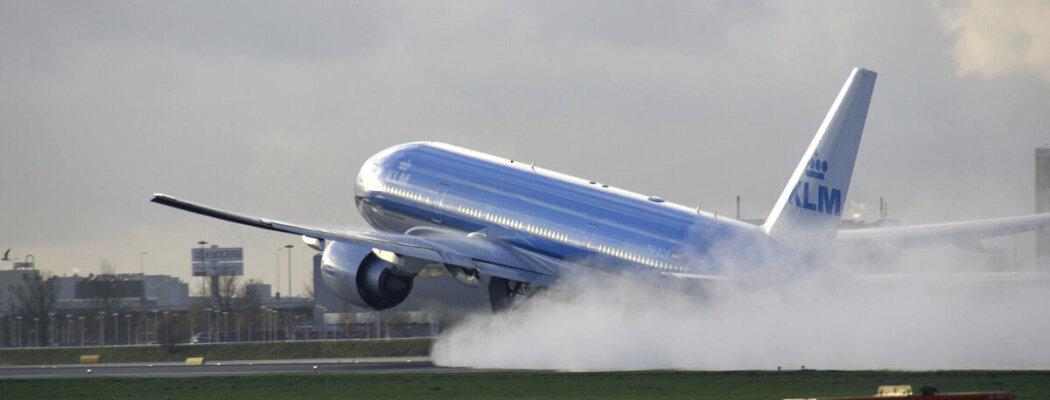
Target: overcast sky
(270, 108)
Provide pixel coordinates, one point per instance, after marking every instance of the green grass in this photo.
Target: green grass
(225, 351)
(525, 385)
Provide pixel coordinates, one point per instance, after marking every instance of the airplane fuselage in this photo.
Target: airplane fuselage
(549, 213)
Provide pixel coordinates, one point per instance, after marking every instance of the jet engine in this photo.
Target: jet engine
(357, 275)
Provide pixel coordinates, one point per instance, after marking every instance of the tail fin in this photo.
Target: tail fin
(810, 207)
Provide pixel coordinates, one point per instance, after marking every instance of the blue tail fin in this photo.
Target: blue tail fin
(809, 209)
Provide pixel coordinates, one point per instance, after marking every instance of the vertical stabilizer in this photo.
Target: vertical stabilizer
(808, 212)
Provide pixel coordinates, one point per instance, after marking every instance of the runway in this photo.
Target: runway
(228, 368)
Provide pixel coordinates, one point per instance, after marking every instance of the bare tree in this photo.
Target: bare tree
(170, 329)
(240, 299)
(107, 268)
(37, 297)
(308, 291)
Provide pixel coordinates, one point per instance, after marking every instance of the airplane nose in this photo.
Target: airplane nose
(368, 180)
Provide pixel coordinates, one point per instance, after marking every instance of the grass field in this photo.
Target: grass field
(524, 385)
(222, 352)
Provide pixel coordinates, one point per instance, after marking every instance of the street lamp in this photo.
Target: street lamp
(289, 294)
(69, 329)
(167, 324)
(287, 320)
(207, 315)
(81, 319)
(142, 263)
(275, 319)
(19, 331)
(36, 333)
(262, 311)
(127, 317)
(101, 328)
(203, 277)
(215, 336)
(277, 285)
(116, 328)
(52, 329)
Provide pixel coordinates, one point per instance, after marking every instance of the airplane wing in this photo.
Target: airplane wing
(473, 251)
(946, 233)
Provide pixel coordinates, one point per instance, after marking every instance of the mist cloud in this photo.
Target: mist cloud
(994, 38)
(827, 320)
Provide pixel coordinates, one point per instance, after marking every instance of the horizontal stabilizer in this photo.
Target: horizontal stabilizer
(945, 233)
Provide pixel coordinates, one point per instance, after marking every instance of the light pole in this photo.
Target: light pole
(81, 319)
(277, 323)
(51, 329)
(267, 333)
(289, 294)
(127, 317)
(226, 321)
(207, 313)
(288, 318)
(69, 329)
(262, 324)
(36, 333)
(116, 328)
(101, 328)
(167, 324)
(204, 278)
(269, 322)
(277, 285)
(142, 263)
(156, 324)
(19, 330)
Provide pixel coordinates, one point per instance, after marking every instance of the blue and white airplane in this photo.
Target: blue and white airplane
(516, 227)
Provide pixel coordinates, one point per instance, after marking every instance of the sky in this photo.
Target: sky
(270, 108)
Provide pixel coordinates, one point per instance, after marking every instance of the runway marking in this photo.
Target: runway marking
(227, 368)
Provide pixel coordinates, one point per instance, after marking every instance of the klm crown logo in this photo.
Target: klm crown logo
(828, 200)
(816, 167)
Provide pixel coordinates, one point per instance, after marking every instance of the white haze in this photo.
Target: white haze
(826, 320)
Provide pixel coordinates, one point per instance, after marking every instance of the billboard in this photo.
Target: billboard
(218, 261)
(105, 288)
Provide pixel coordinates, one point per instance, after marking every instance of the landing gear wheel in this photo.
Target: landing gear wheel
(505, 293)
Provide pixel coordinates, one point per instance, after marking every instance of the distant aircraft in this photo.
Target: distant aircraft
(516, 227)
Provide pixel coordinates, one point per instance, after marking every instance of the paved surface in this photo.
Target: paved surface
(226, 368)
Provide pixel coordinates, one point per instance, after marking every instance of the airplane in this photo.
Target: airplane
(516, 227)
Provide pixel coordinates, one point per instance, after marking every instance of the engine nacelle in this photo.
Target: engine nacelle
(356, 275)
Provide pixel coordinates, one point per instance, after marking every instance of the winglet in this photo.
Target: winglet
(809, 209)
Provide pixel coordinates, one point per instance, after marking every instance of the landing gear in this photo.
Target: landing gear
(505, 293)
